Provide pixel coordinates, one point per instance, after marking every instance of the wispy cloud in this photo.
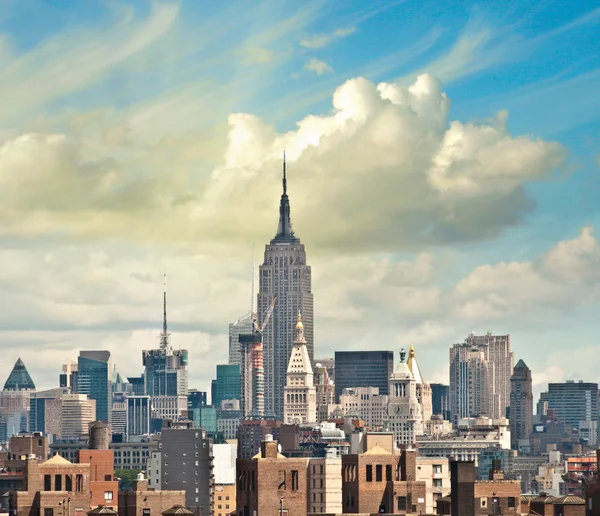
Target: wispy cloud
(318, 66)
(322, 40)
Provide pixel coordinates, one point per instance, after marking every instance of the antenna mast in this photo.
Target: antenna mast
(164, 338)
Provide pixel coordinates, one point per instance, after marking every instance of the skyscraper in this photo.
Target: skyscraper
(363, 369)
(165, 369)
(573, 402)
(15, 400)
(440, 400)
(285, 275)
(480, 371)
(227, 384)
(300, 399)
(243, 326)
(94, 381)
(521, 404)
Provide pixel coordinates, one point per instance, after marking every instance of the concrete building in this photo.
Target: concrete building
(436, 475)
(325, 392)
(465, 443)
(367, 404)
(300, 398)
(325, 483)
(423, 388)
(404, 413)
(169, 407)
(68, 377)
(480, 372)
(184, 461)
(285, 275)
(77, 413)
(119, 413)
(363, 369)
(521, 404)
(252, 432)
(270, 484)
(45, 412)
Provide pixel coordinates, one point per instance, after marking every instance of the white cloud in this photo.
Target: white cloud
(322, 40)
(318, 66)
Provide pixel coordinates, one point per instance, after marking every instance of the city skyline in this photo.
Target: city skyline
(162, 154)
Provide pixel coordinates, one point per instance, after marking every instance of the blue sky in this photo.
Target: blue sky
(139, 137)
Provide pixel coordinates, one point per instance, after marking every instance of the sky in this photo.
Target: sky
(443, 172)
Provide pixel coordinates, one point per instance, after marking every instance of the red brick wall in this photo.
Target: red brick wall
(133, 503)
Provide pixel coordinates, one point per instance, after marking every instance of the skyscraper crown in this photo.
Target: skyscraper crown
(19, 379)
(285, 233)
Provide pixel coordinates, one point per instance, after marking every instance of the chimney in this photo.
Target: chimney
(462, 488)
(268, 448)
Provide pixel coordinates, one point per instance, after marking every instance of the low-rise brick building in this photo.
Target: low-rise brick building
(141, 501)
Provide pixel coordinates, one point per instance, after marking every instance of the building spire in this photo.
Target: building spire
(285, 233)
(284, 178)
(164, 337)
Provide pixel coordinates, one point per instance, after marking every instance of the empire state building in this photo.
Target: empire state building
(285, 275)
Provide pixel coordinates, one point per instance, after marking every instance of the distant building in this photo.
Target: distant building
(243, 326)
(365, 403)
(184, 462)
(139, 413)
(329, 364)
(252, 432)
(169, 407)
(300, 399)
(77, 412)
(363, 369)
(436, 475)
(15, 401)
(227, 384)
(206, 418)
(68, 377)
(521, 405)
(573, 402)
(325, 392)
(440, 400)
(196, 399)
(94, 380)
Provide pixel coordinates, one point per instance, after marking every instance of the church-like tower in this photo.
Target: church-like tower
(300, 397)
(405, 415)
(423, 387)
(285, 275)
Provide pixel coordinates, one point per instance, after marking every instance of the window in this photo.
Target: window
(437, 468)
(388, 473)
(295, 480)
(69, 483)
(511, 502)
(146, 512)
(79, 483)
(483, 501)
(379, 473)
(369, 473)
(437, 482)
(402, 503)
(48, 512)
(107, 478)
(58, 482)
(108, 496)
(47, 482)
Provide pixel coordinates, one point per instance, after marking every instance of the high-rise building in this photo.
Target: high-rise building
(325, 391)
(300, 399)
(15, 400)
(423, 388)
(243, 326)
(119, 413)
(573, 402)
(367, 404)
(139, 413)
(363, 369)
(165, 369)
(329, 364)
(94, 381)
(405, 413)
(138, 386)
(440, 400)
(480, 371)
(185, 461)
(77, 413)
(227, 384)
(68, 377)
(196, 399)
(284, 275)
(44, 412)
(521, 404)
(541, 408)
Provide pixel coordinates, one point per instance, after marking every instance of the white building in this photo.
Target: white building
(169, 407)
(423, 388)
(470, 437)
(300, 399)
(77, 413)
(365, 403)
(405, 413)
(436, 475)
(325, 483)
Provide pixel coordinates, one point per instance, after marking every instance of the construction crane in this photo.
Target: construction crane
(257, 362)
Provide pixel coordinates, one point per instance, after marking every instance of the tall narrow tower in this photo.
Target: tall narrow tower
(521, 404)
(285, 275)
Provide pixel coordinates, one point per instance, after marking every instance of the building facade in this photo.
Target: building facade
(573, 402)
(363, 369)
(285, 275)
(300, 399)
(94, 380)
(227, 386)
(521, 404)
(367, 404)
(139, 412)
(440, 400)
(77, 412)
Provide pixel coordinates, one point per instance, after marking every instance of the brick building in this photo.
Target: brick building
(141, 501)
(252, 432)
(470, 497)
(224, 499)
(379, 481)
(270, 484)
